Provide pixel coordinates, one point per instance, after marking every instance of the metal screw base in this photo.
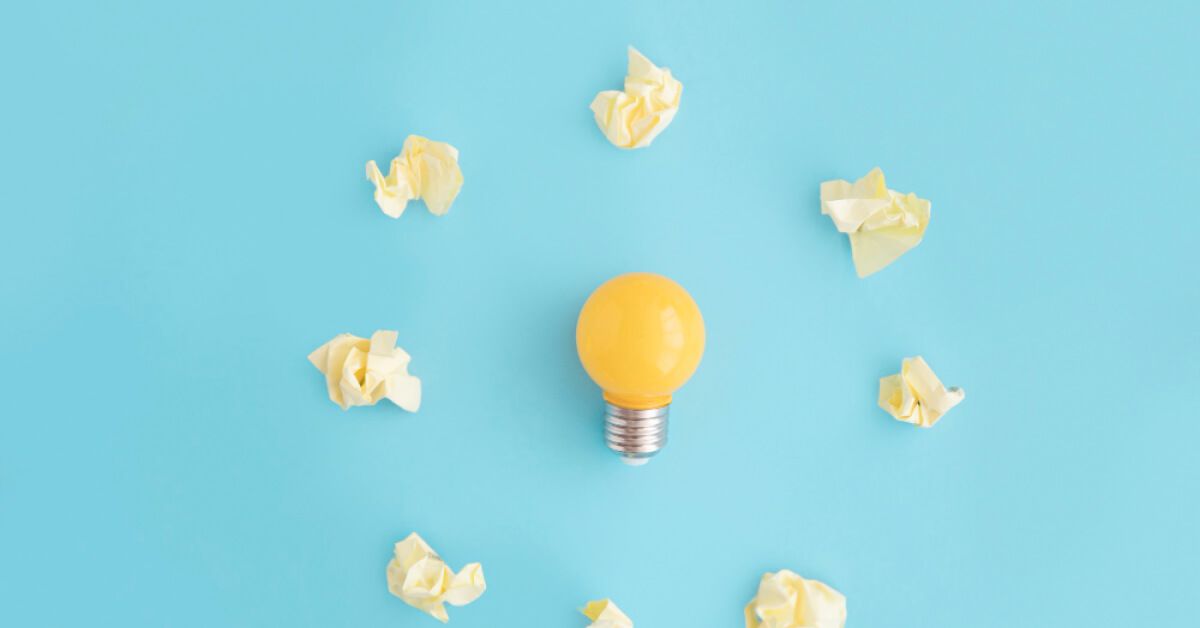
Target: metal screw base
(635, 434)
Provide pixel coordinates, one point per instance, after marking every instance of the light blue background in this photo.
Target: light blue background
(185, 218)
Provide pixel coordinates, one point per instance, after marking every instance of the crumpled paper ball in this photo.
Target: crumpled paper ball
(785, 600)
(417, 575)
(361, 372)
(634, 117)
(605, 614)
(916, 395)
(424, 169)
(882, 224)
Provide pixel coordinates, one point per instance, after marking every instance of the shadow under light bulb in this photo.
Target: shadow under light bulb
(640, 336)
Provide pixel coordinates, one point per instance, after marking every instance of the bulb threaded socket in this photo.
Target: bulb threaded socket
(635, 434)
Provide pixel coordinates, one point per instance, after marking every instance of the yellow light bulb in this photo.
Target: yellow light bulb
(640, 337)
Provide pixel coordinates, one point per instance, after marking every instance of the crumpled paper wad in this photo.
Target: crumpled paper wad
(605, 614)
(882, 224)
(915, 395)
(360, 372)
(785, 600)
(423, 169)
(634, 117)
(418, 576)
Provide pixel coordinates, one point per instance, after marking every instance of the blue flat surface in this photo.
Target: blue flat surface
(184, 218)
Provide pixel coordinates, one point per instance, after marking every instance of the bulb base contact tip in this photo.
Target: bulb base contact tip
(635, 434)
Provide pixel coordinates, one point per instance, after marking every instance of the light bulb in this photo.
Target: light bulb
(640, 337)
